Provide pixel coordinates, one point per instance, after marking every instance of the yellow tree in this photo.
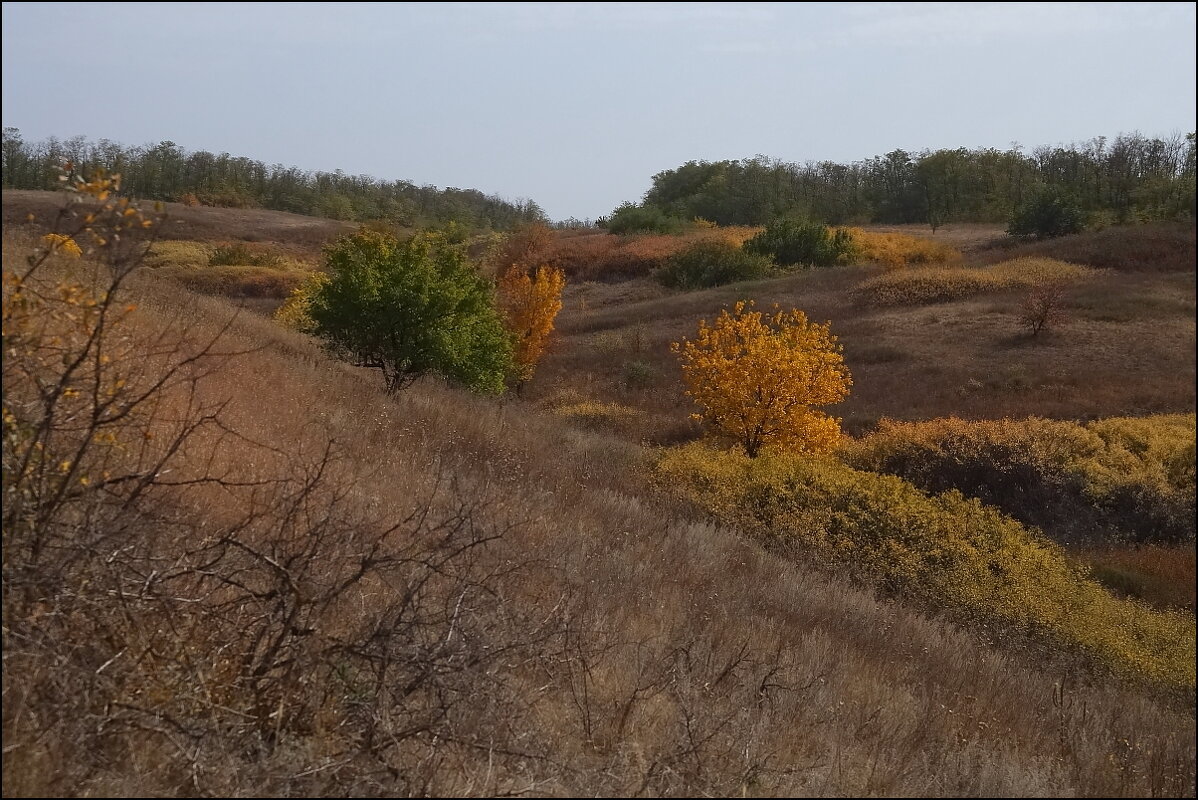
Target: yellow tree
(530, 302)
(758, 378)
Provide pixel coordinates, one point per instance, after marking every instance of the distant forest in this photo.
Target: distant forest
(1126, 178)
(166, 171)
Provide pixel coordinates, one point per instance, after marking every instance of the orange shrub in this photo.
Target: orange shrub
(530, 302)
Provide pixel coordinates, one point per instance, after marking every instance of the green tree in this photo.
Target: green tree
(791, 242)
(411, 307)
(1050, 213)
(630, 218)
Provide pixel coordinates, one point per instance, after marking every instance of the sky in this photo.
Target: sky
(578, 105)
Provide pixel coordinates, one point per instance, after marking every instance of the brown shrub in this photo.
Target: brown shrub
(607, 257)
(1043, 307)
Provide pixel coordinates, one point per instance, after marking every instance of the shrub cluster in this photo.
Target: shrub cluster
(231, 269)
(944, 549)
(941, 284)
(791, 242)
(901, 250)
(1049, 214)
(605, 257)
(1114, 479)
(631, 218)
(707, 263)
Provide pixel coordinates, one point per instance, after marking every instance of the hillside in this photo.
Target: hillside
(326, 590)
(200, 223)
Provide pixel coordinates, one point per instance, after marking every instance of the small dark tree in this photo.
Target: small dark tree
(409, 308)
(1050, 213)
(1043, 308)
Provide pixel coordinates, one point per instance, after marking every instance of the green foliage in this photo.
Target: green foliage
(631, 218)
(792, 242)
(937, 187)
(945, 549)
(168, 172)
(409, 308)
(1114, 479)
(1049, 214)
(712, 263)
(637, 374)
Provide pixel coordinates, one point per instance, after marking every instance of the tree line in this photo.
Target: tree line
(1123, 179)
(166, 171)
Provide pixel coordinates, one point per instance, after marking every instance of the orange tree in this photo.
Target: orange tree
(758, 378)
(530, 302)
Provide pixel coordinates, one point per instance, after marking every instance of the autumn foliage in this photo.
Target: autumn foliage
(900, 249)
(529, 302)
(759, 378)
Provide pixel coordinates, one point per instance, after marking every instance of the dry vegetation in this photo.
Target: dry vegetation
(1159, 247)
(1126, 349)
(924, 285)
(324, 590)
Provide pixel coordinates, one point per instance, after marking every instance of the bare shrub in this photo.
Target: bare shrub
(1043, 307)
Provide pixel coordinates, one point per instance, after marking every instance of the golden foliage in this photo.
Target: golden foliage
(293, 313)
(944, 549)
(530, 303)
(61, 243)
(940, 284)
(901, 250)
(759, 378)
(1130, 475)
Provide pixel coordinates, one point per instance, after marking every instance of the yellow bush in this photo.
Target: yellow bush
(294, 311)
(62, 244)
(939, 284)
(1121, 477)
(945, 549)
(259, 272)
(178, 254)
(760, 379)
(901, 250)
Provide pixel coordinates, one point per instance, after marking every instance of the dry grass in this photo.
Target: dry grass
(200, 223)
(622, 645)
(1155, 247)
(1162, 576)
(1126, 350)
(920, 286)
(964, 236)
(684, 661)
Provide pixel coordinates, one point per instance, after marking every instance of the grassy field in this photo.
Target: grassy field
(338, 592)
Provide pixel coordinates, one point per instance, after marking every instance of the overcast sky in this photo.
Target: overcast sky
(577, 105)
